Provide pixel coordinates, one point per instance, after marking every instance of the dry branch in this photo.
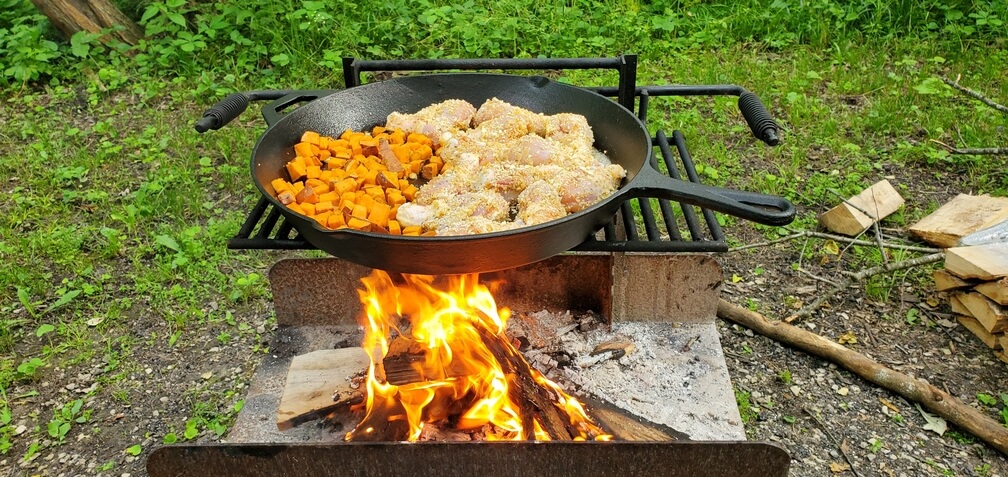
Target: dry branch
(836, 238)
(985, 100)
(975, 95)
(913, 389)
(863, 274)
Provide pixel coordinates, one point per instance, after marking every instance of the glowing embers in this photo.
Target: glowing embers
(440, 357)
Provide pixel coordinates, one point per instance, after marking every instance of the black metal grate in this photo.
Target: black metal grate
(641, 225)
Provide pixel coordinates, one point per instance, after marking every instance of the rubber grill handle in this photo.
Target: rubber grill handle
(223, 112)
(756, 114)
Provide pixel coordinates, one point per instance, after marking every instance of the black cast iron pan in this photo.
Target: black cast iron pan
(617, 132)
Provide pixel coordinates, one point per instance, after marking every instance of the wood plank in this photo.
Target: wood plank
(957, 305)
(945, 281)
(996, 290)
(993, 341)
(861, 211)
(959, 217)
(318, 382)
(625, 426)
(986, 262)
(991, 315)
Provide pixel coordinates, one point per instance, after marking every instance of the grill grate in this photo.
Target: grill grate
(641, 225)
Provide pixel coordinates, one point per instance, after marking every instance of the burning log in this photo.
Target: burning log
(440, 355)
(535, 400)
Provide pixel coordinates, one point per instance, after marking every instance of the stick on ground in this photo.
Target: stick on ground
(913, 389)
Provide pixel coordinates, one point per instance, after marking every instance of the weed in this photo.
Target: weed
(875, 444)
(962, 438)
(247, 286)
(785, 377)
(995, 402)
(745, 407)
(6, 428)
(63, 418)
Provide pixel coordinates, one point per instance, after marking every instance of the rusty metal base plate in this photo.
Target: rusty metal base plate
(482, 459)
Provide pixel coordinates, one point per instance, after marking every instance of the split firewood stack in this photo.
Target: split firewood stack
(975, 277)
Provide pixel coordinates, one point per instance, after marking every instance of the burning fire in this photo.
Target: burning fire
(444, 347)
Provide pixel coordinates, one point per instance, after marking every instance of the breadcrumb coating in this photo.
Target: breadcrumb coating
(505, 167)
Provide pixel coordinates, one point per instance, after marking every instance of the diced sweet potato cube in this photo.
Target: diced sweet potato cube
(313, 172)
(401, 151)
(409, 192)
(394, 228)
(419, 138)
(370, 177)
(397, 137)
(310, 137)
(429, 171)
(387, 179)
(296, 208)
(322, 217)
(326, 206)
(286, 197)
(307, 196)
(308, 207)
(365, 200)
(360, 211)
(297, 171)
(335, 163)
(359, 224)
(279, 185)
(411, 230)
(421, 153)
(330, 196)
(304, 149)
(369, 147)
(379, 214)
(345, 185)
(336, 221)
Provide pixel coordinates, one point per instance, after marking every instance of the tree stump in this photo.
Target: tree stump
(72, 16)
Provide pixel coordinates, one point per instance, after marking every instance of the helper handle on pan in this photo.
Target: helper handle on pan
(232, 106)
(758, 118)
(753, 206)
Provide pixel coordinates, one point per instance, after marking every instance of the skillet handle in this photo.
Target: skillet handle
(753, 206)
(273, 112)
(758, 118)
(229, 108)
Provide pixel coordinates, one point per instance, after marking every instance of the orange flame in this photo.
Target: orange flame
(455, 341)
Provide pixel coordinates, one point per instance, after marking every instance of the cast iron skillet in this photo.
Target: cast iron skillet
(617, 132)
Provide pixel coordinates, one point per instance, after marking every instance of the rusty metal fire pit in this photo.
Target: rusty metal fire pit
(631, 291)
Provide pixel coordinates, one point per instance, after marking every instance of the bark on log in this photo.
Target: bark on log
(525, 390)
(71, 16)
(913, 389)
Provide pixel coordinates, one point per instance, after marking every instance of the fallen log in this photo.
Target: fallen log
(913, 389)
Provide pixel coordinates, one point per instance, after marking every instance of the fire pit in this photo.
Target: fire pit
(632, 334)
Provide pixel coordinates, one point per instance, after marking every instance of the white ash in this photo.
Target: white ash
(666, 375)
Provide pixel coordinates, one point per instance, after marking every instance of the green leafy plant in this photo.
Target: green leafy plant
(247, 286)
(745, 407)
(63, 419)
